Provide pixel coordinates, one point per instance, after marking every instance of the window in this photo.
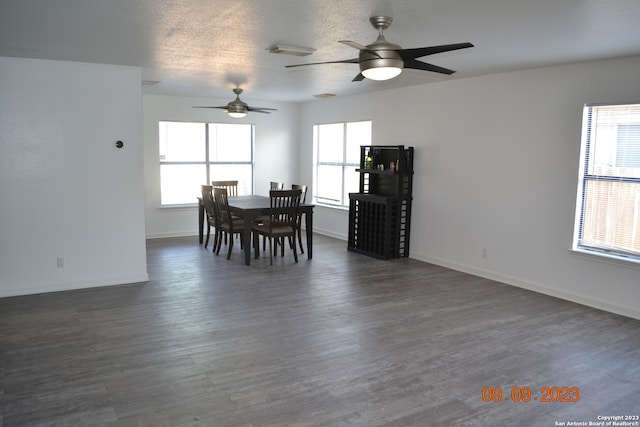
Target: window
(192, 154)
(336, 152)
(608, 205)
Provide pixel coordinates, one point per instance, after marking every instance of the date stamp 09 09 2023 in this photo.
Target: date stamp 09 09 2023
(557, 394)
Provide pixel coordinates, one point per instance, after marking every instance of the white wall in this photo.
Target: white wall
(276, 152)
(496, 167)
(65, 189)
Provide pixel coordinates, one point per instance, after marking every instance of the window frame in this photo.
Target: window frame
(345, 165)
(588, 174)
(207, 162)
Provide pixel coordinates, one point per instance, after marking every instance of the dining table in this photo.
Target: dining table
(251, 207)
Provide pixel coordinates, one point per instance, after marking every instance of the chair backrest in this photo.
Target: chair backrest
(276, 185)
(303, 188)
(231, 186)
(221, 199)
(207, 200)
(284, 207)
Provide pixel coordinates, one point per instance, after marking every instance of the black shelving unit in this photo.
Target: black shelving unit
(380, 213)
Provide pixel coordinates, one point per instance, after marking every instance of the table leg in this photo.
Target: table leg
(246, 236)
(309, 229)
(200, 221)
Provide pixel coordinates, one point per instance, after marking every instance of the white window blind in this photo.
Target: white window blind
(608, 205)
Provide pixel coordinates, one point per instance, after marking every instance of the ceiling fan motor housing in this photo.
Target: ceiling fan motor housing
(237, 106)
(380, 54)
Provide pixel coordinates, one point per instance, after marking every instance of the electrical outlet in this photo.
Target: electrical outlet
(60, 262)
(484, 252)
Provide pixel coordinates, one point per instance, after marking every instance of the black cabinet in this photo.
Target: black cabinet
(380, 213)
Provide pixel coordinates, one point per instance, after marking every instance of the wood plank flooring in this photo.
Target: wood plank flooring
(340, 340)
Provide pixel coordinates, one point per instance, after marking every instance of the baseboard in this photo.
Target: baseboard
(45, 288)
(632, 312)
(173, 234)
(329, 233)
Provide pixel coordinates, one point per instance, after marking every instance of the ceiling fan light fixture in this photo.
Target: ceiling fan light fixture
(381, 73)
(381, 60)
(237, 109)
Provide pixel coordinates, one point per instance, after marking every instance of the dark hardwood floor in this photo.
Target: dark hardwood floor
(340, 340)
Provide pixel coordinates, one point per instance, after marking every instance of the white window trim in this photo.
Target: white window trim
(593, 253)
(606, 258)
(345, 207)
(207, 163)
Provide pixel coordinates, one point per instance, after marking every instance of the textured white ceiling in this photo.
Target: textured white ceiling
(207, 47)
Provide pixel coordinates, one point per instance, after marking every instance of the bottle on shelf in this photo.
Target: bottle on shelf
(368, 162)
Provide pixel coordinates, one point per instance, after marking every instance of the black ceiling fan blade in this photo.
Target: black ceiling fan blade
(358, 78)
(344, 61)
(419, 65)
(261, 109)
(222, 108)
(431, 50)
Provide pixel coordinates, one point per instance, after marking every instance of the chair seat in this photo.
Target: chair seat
(238, 224)
(261, 220)
(275, 230)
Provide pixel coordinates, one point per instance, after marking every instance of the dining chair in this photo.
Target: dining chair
(232, 191)
(231, 186)
(229, 224)
(303, 199)
(211, 215)
(273, 185)
(283, 214)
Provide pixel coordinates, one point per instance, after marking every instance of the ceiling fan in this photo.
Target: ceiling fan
(239, 109)
(382, 60)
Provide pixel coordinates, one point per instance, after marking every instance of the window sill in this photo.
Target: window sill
(332, 207)
(616, 260)
(186, 206)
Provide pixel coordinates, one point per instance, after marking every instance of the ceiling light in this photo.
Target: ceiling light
(237, 109)
(382, 73)
(383, 64)
(290, 50)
